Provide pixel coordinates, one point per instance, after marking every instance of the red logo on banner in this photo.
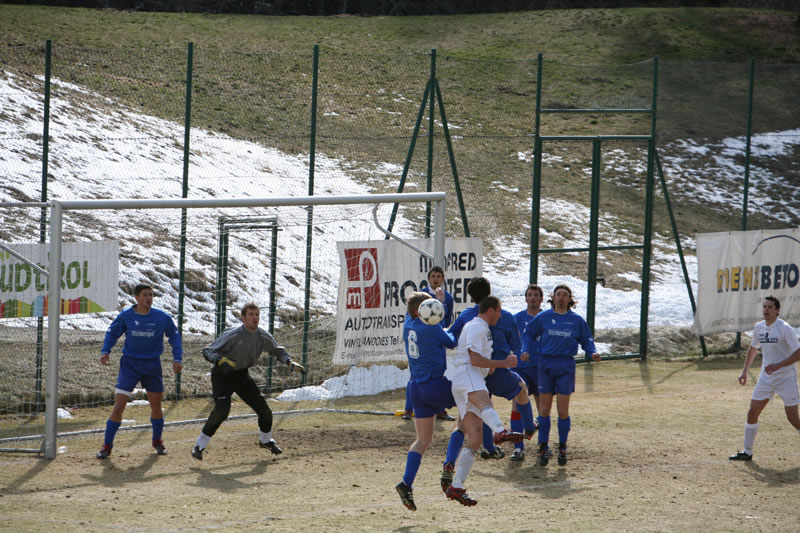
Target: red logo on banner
(363, 288)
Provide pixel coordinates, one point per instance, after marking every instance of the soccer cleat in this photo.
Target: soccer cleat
(562, 454)
(498, 453)
(104, 452)
(544, 453)
(518, 454)
(271, 446)
(158, 444)
(738, 456)
(197, 453)
(461, 496)
(447, 476)
(406, 495)
(407, 415)
(444, 415)
(507, 436)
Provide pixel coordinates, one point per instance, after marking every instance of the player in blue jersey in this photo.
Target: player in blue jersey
(559, 331)
(430, 390)
(527, 366)
(233, 353)
(144, 328)
(502, 381)
(436, 289)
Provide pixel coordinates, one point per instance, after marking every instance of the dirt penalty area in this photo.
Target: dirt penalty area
(648, 452)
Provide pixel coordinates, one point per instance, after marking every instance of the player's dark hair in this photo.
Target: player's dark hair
(775, 301)
(479, 288)
(572, 303)
(414, 301)
(436, 268)
(490, 302)
(247, 307)
(140, 287)
(533, 287)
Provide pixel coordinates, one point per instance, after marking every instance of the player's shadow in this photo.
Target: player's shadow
(224, 479)
(112, 476)
(551, 482)
(772, 477)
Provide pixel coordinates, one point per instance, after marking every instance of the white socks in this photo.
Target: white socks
(492, 419)
(463, 466)
(202, 441)
(750, 431)
(264, 437)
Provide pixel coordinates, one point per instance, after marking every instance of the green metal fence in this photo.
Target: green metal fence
(538, 156)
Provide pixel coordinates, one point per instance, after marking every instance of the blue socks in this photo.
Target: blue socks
(111, 432)
(563, 429)
(158, 427)
(412, 466)
(454, 447)
(544, 429)
(526, 411)
(488, 439)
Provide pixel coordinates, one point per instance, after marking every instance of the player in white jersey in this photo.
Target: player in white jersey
(780, 351)
(473, 362)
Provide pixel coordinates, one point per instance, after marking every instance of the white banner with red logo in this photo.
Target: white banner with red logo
(737, 269)
(377, 277)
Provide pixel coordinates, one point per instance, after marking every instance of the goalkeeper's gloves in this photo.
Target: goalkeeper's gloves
(296, 366)
(226, 365)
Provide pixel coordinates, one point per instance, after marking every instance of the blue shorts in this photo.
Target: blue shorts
(132, 371)
(504, 383)
(530, 374)
(556, 375)
(432, 397)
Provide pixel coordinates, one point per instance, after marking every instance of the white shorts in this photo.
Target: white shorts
(784, 386)
(466, 379)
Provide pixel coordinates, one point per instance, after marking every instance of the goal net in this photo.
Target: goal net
(312, 264)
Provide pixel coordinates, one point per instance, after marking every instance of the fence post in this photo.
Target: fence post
(594, 223)
(738, 343)
(187, 128)
(431, 125)
(648, 218)
(410, 153)
(536, 186)
(451, 154)
(310, 218)
(43, 217)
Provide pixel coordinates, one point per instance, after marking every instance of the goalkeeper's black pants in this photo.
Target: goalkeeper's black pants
(223, 386)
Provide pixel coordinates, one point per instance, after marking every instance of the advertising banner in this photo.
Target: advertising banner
(737, 269)
(377, 277)
(89, 279)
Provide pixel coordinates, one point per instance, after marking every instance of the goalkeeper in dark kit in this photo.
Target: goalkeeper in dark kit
(234, 351)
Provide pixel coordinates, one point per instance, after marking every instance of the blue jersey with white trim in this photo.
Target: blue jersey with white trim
(559, 334)
(144, 334)
(425, 349)
(523, 319)
(505, 334)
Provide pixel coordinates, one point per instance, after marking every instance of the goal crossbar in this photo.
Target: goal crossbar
(57, 207)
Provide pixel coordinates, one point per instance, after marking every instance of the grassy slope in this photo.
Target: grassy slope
(499, 103)
(591, 36)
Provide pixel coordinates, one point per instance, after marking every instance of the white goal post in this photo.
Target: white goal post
(57, 209)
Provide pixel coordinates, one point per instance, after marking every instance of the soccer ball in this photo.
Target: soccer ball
(431, 311)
